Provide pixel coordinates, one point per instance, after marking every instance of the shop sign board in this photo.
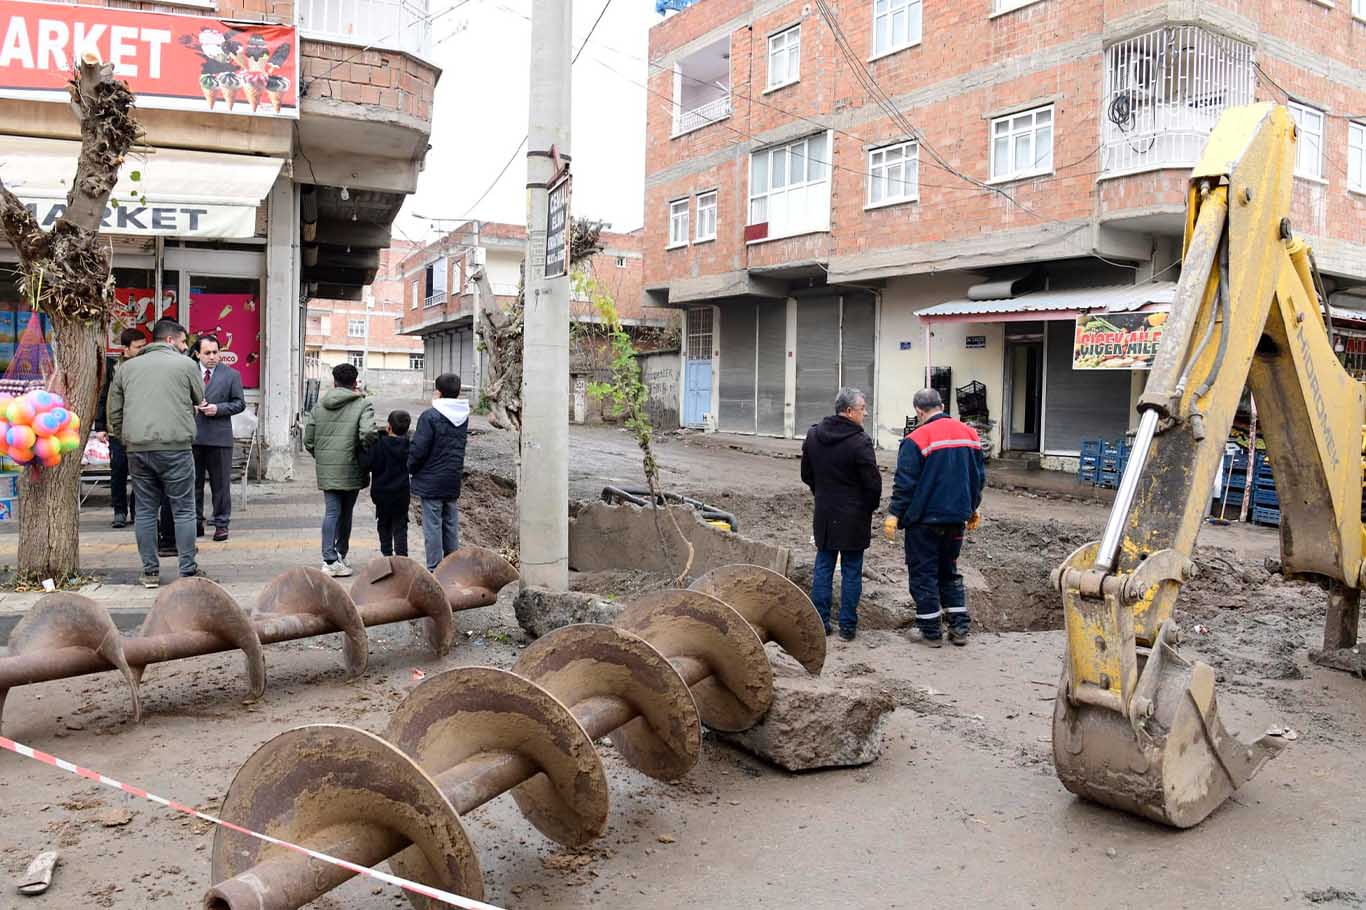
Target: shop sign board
(166, 219)
(170, 61)
(1117, 341)
(975, 342)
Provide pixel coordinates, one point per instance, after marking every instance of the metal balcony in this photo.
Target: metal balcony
(396, 25)
(704, 115)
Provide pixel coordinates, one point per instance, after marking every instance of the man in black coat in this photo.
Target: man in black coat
(839, 466)
(436, 461)
(213, 441)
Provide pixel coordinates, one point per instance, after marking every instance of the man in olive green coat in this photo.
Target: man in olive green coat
(337, 428)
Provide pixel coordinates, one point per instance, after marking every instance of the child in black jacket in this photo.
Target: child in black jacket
(387, 461)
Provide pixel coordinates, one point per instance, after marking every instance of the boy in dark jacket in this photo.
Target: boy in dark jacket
(387, 462)
(437, 463)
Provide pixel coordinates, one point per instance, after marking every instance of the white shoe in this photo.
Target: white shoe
(346, 562)
(337, 569)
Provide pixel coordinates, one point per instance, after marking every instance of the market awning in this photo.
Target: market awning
(161, 192)
(1055, 304)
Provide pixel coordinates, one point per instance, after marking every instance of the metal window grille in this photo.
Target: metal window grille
(1164, 92)
(699, 333)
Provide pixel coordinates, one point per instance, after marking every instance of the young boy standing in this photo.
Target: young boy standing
(387, 462)
(437, 463)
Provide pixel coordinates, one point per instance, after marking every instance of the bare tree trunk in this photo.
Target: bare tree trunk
(71, 266)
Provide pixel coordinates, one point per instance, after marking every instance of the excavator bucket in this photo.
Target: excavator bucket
(1176, 766)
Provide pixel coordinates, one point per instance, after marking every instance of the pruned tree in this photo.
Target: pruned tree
(66, 273)
(500, 334)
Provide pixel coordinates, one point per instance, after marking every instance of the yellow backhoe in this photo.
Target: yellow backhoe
(1136, 725)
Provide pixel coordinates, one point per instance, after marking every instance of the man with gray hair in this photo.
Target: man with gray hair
(940, 473)
(839, 466)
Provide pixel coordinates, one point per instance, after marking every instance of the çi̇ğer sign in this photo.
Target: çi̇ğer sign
(1117, 341)
(182, 63)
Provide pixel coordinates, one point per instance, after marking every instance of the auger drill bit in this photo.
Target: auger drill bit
(67, 635)
(673, 659)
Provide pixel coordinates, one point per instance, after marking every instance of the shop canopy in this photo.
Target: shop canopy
(160, 192)
(1068, 304)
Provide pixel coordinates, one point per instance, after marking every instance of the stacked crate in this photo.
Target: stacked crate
(1266, 505)
(1088, 466)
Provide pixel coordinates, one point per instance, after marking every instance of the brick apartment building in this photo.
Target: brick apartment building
(441, 302)
(814, 242)
(365, 332)
(281, 137)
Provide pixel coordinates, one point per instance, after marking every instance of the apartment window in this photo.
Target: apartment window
(621, 262)
(896, 25)
(355, 328)
(1309, 148)
(706, 217)
(1359, 9)
(356, 359)
(784, 57)
(1022, 144)
(789, 188)
(894, 174)
(1005, 6)
(1356, 155)
(678, 223)
(414, 361)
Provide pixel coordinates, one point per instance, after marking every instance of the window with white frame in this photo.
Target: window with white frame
(621, 262)
(415, 361)
(1309, 146)
(784, 57)
(1356, 156)
(1359, 9)
(1022, 144)
(355, 328)
(894, 174)
(678, 223)
(356, 359)
(789, 187)
(1005, 6)
(896, 25)
(706, 216)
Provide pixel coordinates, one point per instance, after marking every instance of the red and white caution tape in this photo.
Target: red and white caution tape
(454, 900)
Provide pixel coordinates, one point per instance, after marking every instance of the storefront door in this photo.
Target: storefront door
(222, 293)
(1024, 392)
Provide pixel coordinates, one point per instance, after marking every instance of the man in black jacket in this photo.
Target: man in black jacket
(437, 463)
(213, 441)
(132, 341)
(839, 466)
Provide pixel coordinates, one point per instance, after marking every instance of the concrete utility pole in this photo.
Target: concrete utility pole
(543, 487)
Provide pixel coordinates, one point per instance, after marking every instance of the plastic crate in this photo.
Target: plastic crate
(1263, 516)
(1108, 479)
(972, 400)
(1090, 447)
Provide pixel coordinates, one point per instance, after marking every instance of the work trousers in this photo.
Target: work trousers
(213, 463)
(935, 583)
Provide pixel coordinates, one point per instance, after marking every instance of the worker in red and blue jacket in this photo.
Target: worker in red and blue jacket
(940, 473)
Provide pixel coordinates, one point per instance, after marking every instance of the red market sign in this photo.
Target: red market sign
(171, 62)
(1117, 341)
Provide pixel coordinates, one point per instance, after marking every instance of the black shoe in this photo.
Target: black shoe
(149, 580)
(918, 636)
(829, 630)
(220, 534)
(199, 530)
(120, 522)
(847, 634)
(957, 637)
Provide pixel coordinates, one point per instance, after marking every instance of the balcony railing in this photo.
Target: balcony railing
(1164, 93)
(434, 300)
(397, 25)
(704, 115)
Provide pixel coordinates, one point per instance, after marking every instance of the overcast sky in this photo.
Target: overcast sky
(481, 114)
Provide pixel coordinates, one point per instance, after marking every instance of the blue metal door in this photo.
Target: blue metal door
(696, 392)
(697, 367)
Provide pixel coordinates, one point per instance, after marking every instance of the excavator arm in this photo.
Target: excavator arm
(1136, 725)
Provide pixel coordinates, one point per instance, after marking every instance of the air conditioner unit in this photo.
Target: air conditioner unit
(1136, 76)
(478, 257)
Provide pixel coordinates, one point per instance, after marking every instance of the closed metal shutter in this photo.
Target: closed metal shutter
(466, 359)
(772, 367)
(818, 338)
(1080, 404)
(858, 354)
(736, 385)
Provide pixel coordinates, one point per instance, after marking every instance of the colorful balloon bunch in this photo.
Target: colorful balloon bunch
(36, 426)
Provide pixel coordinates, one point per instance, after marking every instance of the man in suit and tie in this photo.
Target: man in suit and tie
(213, 438)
